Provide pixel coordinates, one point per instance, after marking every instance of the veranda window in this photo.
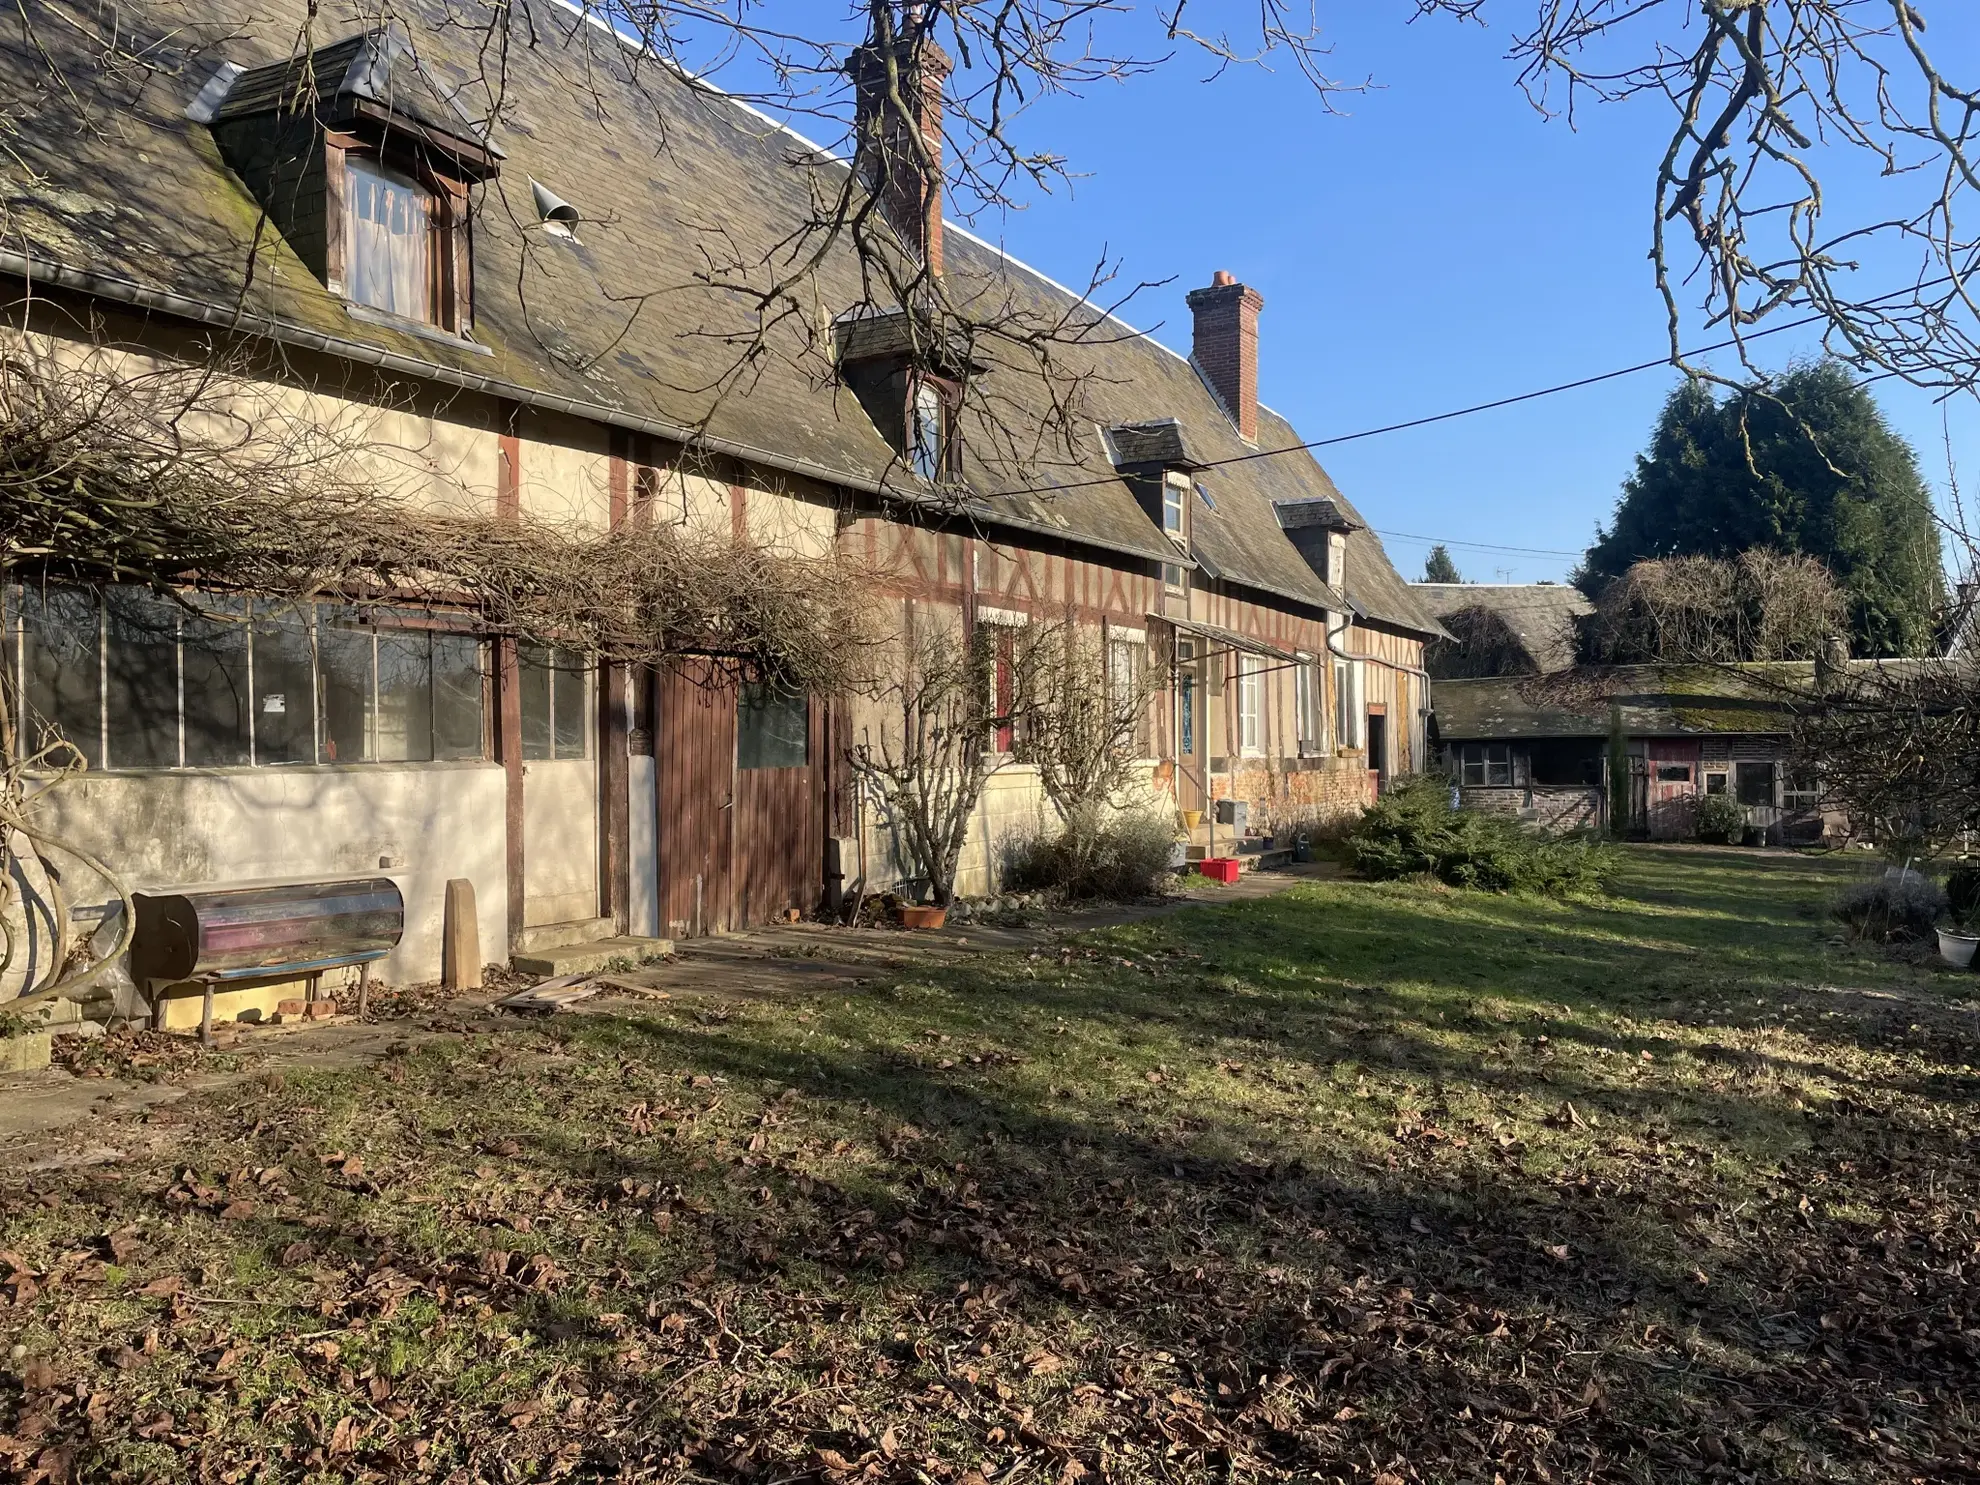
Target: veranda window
(556, 703)
(139, 680)
(1753, 783)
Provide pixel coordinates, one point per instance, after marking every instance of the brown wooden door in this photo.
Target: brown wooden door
(779, 818)
(695, 767)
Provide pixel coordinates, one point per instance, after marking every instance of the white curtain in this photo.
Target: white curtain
(387, 240)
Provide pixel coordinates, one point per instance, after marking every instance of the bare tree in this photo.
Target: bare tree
(1080, 710)
(927, 754)
(1774, 104)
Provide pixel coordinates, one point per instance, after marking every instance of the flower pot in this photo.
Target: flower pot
(924, 917)
(1191, 819)
(1957, 948)
(1219, 868)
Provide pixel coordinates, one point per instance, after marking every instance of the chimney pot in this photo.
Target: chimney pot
(1226, 346)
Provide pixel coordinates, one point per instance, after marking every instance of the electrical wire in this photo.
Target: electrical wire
(1494, 404)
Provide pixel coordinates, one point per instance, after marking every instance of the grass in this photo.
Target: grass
(1358, 1183)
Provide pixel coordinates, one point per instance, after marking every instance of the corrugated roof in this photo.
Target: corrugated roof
(627, 323)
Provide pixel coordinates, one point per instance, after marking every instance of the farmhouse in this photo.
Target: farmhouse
(530, 313)
(1567, 750)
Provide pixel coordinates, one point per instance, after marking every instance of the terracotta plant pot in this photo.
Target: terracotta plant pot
(1191, 819)
(924, 917)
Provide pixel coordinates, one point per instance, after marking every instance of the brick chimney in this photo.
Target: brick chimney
(907, 181)
(1226, 346)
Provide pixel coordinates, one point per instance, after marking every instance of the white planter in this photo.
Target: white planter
(1957, 948)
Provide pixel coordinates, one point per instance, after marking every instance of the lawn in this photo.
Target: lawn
(1362, 1183)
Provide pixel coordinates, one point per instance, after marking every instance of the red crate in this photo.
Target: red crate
(1219, 868)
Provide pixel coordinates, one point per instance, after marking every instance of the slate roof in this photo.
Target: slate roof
(1540, 615)
(1160, 442)
(373, 66)
(1656, 700)
(625, 324)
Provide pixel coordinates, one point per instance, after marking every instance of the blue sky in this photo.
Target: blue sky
(1437, 245)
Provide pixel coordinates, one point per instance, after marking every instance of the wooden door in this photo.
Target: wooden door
(779, 851)
(695, 795)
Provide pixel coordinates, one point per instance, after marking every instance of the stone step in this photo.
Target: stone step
(624, 952)
(557, 935)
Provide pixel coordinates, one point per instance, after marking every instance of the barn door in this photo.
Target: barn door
(695, 795)
(778, 820)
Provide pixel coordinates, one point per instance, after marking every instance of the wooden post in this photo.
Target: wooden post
(460, 939)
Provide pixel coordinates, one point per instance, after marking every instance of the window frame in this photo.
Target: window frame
(256, 617)
(1175, 500)
(450, 285)
(1309, 704)
(1739, 771)
(1250, 705)
(1350, 721)
(1800, 799)
(1485, 759)
(948, 398)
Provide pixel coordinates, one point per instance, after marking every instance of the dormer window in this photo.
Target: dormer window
(364, 164)
(388, 240)
(909, 380)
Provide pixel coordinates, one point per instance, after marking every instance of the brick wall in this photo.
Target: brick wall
(1295, 789)
(1554, 809)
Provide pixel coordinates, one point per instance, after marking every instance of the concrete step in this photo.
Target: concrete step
(624, 952)
(557, 935)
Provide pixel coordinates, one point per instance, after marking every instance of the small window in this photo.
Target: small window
(1003, 681)
(773, 727)
(927, 446)
(1485, 765)
(1754, 783)
(1175, 492)
(1673, 773)
(1801, 790)
(388, 240)
(1174, 577)
(556, 704)
(1715, 783)
(1251, 719)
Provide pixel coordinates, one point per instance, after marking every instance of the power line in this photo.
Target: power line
(1476, 546)
(1479, 407)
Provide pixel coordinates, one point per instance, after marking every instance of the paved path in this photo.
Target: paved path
(40, 1113)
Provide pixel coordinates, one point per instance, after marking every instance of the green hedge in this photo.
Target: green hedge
(1412, 831)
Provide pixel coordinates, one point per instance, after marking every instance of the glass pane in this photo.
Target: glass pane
(1755, 782)
(62, 700)
(343, 671)
(1186, 705)
(284, 685)
(1715, 783)
(533, 671)
(404, 730)
(570, 683)
(386, 241)
(772, 728)
(457, 696)
(214, 654)
(927, 452)
(141, 679)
